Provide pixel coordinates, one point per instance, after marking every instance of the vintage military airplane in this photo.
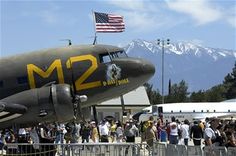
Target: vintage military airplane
(48, 85)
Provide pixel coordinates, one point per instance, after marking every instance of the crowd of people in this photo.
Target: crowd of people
(211, 132)
(71, 132)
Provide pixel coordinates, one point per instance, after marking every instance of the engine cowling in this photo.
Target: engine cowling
(56, 100)
(62, 100)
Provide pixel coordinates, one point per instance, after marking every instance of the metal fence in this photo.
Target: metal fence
(113, 149)
(85, 149)
(163, 149)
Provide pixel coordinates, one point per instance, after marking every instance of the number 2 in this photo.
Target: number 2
(79, 83)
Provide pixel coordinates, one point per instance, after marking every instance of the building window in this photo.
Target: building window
(22, 80)
(1, 84)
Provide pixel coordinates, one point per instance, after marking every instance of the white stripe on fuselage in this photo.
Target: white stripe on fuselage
(10, 117)
(3, 113)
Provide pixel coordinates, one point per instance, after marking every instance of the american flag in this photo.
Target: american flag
(109, 22)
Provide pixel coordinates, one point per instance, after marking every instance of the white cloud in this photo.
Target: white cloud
(128, 4)
(146, 15)
(139, 21)
(148, 22)
(200, 10)
(142, 15)
(230, 16)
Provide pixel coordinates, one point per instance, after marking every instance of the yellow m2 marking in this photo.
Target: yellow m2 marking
(79, 85)
(79, 82)
(31, 68)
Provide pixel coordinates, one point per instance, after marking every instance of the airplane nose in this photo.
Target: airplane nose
(147, 68)
(137, 70)
(142, 70)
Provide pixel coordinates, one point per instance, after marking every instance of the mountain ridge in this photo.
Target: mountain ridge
(201, 67)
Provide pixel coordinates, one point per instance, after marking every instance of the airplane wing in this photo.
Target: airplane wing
(218, 115)
(10, 111)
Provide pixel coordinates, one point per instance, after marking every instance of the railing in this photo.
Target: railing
(163, 149)
(113, 149)
(81, 149)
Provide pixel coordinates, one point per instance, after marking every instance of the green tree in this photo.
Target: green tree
(153, 95)
(198, 96)
(178, 93)
(216, 93)
(230, 84)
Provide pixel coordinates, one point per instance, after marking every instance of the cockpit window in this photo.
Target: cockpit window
(104, 58)
(118, 54)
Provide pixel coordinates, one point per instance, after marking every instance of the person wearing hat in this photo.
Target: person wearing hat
(94, 132)
(113, 130)
(130, 132)
(212, 134)
(150, 134)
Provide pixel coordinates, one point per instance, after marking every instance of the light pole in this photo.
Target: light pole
(162, 43)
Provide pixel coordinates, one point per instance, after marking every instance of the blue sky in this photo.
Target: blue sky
(33, 25)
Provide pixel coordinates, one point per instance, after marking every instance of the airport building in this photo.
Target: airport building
(134, 102)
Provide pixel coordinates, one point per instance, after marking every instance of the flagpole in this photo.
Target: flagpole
(95, 32)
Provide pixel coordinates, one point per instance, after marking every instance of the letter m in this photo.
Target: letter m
(31, 69)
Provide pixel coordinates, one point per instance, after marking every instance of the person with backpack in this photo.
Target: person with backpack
(212, 135)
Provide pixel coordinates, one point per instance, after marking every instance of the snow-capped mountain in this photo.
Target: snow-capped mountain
(201, 67)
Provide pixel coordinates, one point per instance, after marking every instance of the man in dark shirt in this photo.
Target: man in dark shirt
(196, 134)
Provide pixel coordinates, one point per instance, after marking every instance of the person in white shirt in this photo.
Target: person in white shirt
(207, 124)
(185, 131)
(60, 132)
(34, 136)
(211, 134)
(104, 131)
(22, 131)
(119, 133)
(173, 132)
(22, 136)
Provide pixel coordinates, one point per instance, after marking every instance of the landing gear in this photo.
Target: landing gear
(78, 99)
